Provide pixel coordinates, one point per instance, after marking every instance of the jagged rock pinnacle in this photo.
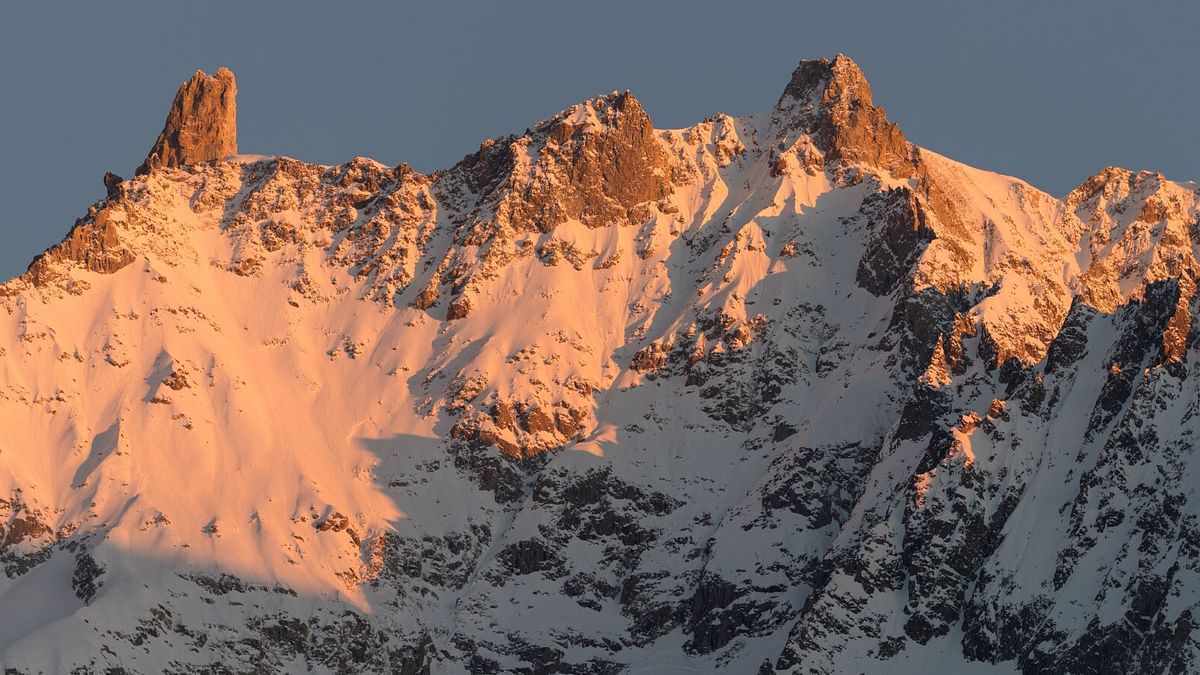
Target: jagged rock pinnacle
(201, 125)
(839, 80)
(831, 100)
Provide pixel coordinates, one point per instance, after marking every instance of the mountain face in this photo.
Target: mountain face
(781, 393)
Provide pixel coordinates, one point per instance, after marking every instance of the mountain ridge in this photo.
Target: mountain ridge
(602, 397)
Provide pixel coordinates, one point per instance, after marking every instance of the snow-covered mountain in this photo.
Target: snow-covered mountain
(772, 394)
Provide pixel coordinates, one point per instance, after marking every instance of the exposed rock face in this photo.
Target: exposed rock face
(592, 162)
(600, 162)
(832, 101)
(609, 154)
(1142, 229)
(94, 243)
(900, 237)
(202, 123)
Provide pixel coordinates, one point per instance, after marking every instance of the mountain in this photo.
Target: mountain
(782, 393)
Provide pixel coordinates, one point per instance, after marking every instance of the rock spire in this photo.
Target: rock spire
(201, 125)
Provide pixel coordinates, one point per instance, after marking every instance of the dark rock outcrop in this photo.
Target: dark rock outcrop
(897, 241)
(111, 183)
(85, 579)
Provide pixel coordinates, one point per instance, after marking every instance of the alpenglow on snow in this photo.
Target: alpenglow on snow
(781, 393)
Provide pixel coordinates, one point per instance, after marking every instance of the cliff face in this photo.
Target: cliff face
(201, 125)
(777, 393)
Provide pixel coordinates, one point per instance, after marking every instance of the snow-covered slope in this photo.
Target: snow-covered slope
(779, 393)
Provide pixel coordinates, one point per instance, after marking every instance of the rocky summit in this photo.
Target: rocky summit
(780, 393)
(201, 126)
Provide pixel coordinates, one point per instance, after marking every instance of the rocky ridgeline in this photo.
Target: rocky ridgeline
(781, 393)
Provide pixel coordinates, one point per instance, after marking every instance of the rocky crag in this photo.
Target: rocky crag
(201, 125)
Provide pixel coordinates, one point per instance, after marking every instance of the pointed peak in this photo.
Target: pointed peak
(1096, 183)
(602, 112)
(827, 82)
(626, 101)
(1114, 181)
(593, 162)
(201, 125)
(831, 102)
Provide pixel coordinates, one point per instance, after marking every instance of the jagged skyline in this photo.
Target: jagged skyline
(1047, 94)
(773, 393)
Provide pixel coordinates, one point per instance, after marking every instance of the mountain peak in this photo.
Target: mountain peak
(1116, 181)
(594, 161)
(836, 80)
(201, 125)
(610, 111)
(831, 101)
(1109, 175)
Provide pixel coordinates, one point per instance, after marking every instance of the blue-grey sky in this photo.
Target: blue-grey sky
(1048, 91)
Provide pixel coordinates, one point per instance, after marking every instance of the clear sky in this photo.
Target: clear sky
(1048, 91)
